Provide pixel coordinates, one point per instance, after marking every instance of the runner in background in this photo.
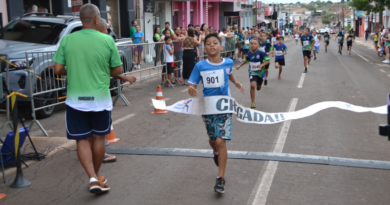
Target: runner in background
(340, 39)
(326, 40)
(296, 38)
(280, 50)
(316, 44)
(307, 42)
(349, 41)
(267, 48)
(246, 45)
(273, 39)
(257, 61)
(215, 73)
(239, 40)
(376, 42)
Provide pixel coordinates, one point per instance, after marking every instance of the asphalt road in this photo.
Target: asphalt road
(365, 81)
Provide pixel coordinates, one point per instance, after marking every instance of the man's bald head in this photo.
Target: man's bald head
(103, 25)
(88, 13)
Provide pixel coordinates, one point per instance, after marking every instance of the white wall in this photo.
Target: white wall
(167, 12)
(148, 27)
(3, 9)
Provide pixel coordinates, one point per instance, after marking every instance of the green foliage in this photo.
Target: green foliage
(365, 5)
(311, 8)
(328, 18)
(329, 2)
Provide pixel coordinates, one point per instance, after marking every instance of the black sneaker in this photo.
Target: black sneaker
(308, 62)
(305, 71)
(216, 160)
(265, 82)
(220, 185)
(315, 58)
(326, 50)
(349, 53)
(341, 53)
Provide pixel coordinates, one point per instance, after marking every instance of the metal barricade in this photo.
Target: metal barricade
(227, 52)
(45, 89)
(4, 66)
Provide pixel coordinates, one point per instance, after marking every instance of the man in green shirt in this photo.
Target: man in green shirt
(134, 24)
(90, 58)
(167, 27)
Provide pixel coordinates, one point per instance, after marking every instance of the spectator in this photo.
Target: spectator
(157, 47)
(211, 29)
(223, 35)
(169, 60)
(166, 34)
(197, 30)
(138, 39)
(190, 26)
(88, 102)
(366, 34)
(167, 27)
(134, 24)
(177, 45)
(188, 54)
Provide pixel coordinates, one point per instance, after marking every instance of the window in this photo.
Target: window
(192, 17)
(76, 29)
(36, 6)
(33, 32)
(175, 22)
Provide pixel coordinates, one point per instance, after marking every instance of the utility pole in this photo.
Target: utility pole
(342, 11)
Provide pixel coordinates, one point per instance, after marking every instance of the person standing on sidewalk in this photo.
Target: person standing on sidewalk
(90, 58)
(367, 32)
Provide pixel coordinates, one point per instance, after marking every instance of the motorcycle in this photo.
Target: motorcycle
(381, 52)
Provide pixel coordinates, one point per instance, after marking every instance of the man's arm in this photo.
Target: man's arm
(59, 69)
(117, 74)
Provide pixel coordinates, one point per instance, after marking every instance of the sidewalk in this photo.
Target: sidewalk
(362, 41)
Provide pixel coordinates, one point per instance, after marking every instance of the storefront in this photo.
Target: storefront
(156, 14)
(229, 13)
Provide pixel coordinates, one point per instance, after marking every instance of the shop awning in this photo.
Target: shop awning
(263, 20)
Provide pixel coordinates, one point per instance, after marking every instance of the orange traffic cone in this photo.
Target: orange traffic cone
(2, 196)
(159, 96)
(111, 137)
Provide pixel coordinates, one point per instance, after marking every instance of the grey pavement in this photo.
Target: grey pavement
(361, 80)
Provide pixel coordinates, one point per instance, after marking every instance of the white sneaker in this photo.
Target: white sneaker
(139, 66)
(385, 61)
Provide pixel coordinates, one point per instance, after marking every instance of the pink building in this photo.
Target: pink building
(195, 13)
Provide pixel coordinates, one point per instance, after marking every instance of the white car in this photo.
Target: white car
(322, 31)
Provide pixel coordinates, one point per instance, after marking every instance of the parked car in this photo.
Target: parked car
(41, 32)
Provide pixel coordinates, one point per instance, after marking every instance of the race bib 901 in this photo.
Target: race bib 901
(255, 66)
(305, 43)
(213, 79)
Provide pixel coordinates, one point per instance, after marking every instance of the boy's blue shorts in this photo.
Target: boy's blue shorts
(218, 126)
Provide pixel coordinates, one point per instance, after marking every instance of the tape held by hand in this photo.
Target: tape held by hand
(226, 104)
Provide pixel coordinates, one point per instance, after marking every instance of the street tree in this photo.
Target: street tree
(370, 5)
(328, 18)
(329, 2)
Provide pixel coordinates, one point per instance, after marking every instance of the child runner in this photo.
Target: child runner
(317, 44)
(169, 60)
(340, 39)
(246, 45)
(307, 42)
(280, 50)
(218, 126)
(326, 40)
(239, 40)
(376, 42)
(296, 38)
(266, 47)
(349, 41)
(258, 60)
(273, 39)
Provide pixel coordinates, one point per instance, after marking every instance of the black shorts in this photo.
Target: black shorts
(327, 42)
(280, 61)
(81, 125)
(341, 44)
(349, 44)
(306, 53)
(170, 68)
(258, 79)
(266, 67)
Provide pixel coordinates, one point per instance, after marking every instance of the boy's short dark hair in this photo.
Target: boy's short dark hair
(281, 37)
(166, 30)
(167, 38)
(307, 29)
(212, 35)
(196, 26)
(190, 25)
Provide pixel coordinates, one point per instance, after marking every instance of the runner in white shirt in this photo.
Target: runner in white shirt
(283, 33)
(296, 38)
(273, 39)
(316, 48)
(223, 37)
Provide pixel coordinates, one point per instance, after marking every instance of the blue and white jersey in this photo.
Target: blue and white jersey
(214, 77)
(279, 49)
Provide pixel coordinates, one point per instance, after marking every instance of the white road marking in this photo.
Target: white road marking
(185, 90)
(268, 176)
(300, 83)
(122, 119)
(166, 99)
(353, 51)
(388, 75)
(382, 71)
(363, 57)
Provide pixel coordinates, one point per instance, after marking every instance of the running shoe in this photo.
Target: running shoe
(253, 105)
(308, 62)
(265, 82)
(220, 185)
(349, 53)
(341, 53)
(326, 50)
(315, 58)
(385, 61)
(98, 187)
(279, 77)
(216, 160)
(305, 71)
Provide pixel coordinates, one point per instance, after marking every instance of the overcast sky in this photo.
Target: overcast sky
(290, 1)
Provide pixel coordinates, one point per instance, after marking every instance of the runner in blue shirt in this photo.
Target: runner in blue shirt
(215, 73)
(307, 42)
(240, 40)
(280, 50)
(267, 48)
(257, 61)
(246, 45)
(340, 39)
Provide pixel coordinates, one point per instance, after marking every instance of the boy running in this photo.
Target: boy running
(280, 50)
(307, 42)
(296, 38)
(326, 40)
(266, 47)
(340, 39)
(258, 60)
(218, 126)
(349, 41)
(273, 39)
(317, 44)
(168, 52)
(246, 45)
(239, 40)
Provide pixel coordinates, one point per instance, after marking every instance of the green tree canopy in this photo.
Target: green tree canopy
(329, 2)
(328, 18)
(365, 5)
